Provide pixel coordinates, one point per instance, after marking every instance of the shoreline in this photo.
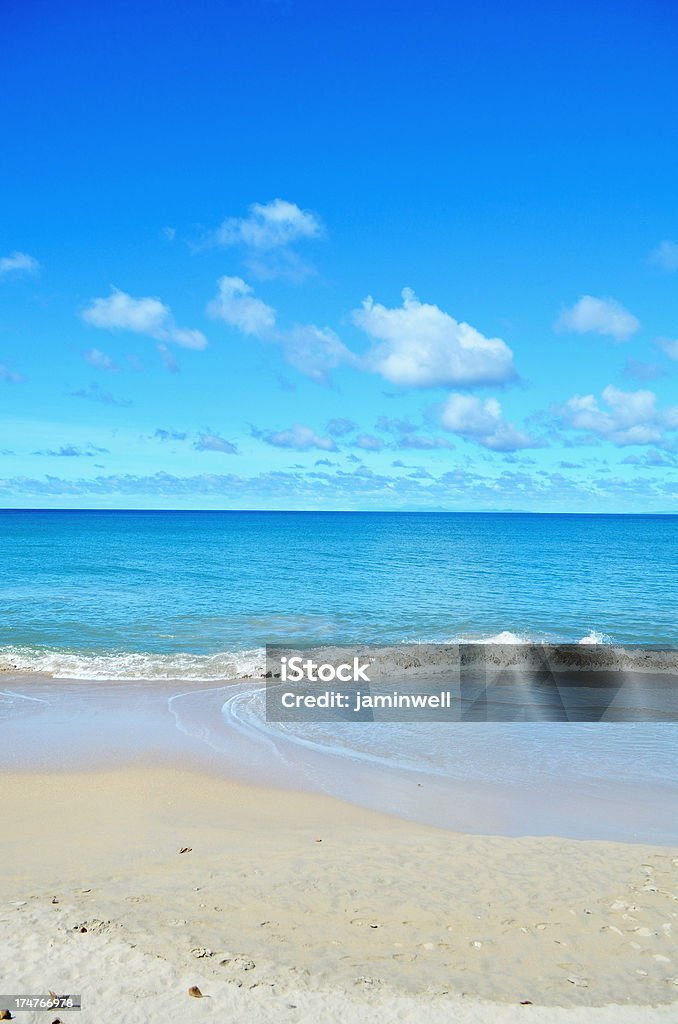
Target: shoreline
(65, 725)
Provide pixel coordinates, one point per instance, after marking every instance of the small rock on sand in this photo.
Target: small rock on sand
(195, 992)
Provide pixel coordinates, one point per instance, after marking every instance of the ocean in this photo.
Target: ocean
(193, 597)
(198, 594)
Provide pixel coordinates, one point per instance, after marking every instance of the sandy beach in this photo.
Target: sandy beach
(290, 906)
(339, 512)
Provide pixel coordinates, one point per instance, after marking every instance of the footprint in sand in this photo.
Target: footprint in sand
(239, 962)
(94, 926)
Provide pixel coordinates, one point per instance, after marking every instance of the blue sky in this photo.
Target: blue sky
(291, 255)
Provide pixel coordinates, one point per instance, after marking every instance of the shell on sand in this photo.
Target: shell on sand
(186, 849)
(195, 992)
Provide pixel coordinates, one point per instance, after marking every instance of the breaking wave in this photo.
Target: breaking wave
(70, 664)
(593, 651)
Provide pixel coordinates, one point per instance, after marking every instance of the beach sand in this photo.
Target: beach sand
(297, 907)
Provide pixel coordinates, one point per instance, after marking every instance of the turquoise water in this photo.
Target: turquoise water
(197, 593)
(184, 596)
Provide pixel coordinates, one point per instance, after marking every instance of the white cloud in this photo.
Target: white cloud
(95, 357)
(369, 442)
(395, 425)
(416, 345)
(458, 488)
(269, 226)
(268, 235)
(149, 316)
(422, 443)
(598, 316)
(18, 263)
(297, 437)
(169, 435)
(669, 346)
(236, 305)
(632, 417)
(419, 345)
(187, 337)
(341, 427)
(665, 255)
(209, 442)
(483, 422)
(74, 451)
(313, 350)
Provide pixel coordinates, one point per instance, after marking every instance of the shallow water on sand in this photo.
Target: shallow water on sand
(586, 781)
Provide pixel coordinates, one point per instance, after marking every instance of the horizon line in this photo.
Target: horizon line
(341, 511)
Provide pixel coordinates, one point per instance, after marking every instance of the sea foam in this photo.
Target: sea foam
(70, 664)
(593, 651)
